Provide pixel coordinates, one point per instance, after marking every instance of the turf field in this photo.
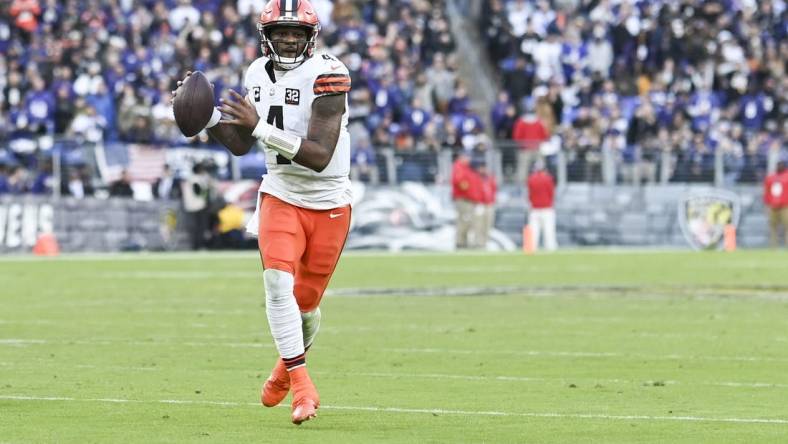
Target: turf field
(605, 347)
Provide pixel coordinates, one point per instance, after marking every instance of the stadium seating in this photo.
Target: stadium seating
(90, 73)
(607, 77)
(647, 80)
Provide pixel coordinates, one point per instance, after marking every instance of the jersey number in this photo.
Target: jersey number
(276, 117)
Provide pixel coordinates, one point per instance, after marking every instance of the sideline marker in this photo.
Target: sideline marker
(729, 238)
(528, 240)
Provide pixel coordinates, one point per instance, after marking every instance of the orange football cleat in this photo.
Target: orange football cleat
(305, 397)
(276, 386)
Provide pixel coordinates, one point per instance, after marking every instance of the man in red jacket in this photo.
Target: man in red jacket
(462, 193)
(25, 14)
(541, 193)
(529, 132)
(485, 206)
(775, 196)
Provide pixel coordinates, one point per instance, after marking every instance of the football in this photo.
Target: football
(193, 104)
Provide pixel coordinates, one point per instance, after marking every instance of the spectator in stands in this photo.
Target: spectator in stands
(541, 218)
(503, 115)
(64, 109)
(122, 186)
(87, 125)
(678, 54)
(544, 111)
(168, 185)
(184, 15)
(363, 162)
(17, 180)
(529, 132)
(701, 68)
(118, 60)
(4, 187)
(25, 14)
(78, 183)
(39, 108)
(519, 80)
(775, 196)
(642, 141)
(699, 159)
(198, 191)
(442, 81)
(43, 181)
(600, 53)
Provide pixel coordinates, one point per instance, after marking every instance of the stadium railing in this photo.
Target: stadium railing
(105, 161)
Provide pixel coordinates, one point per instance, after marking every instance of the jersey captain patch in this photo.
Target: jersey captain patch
(327, 84)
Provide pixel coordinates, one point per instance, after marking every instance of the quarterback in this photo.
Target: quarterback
(295, 108)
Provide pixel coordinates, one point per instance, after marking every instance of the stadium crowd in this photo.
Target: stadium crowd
(94, 71)
(684, 78)
(643, 78)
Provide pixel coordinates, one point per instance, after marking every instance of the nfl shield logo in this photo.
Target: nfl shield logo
(703, 216)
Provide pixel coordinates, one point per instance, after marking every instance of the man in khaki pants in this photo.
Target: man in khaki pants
(775, 196)
(463, 192)
(484, 217)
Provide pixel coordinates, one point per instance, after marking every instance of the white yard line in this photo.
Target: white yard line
(250, 254)
(144, 256)
(21, 342)
(25, 342)
(117, 367)
(591, 416)
(337, 330)
(447, 377)
(560, 380)
(582, 354)
(533, 353)
(178, 274)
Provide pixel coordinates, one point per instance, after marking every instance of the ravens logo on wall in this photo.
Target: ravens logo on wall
(703, 216)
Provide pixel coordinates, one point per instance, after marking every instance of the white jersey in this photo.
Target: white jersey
(284, 99)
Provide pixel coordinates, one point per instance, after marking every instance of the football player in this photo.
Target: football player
(295, 108)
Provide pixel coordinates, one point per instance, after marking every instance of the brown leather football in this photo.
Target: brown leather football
(193, 104)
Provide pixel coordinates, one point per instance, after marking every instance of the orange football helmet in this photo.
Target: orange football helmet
(299, 13)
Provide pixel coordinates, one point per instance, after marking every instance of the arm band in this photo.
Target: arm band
(280, 141)
(215, 117)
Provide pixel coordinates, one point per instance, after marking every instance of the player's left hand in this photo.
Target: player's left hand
(236, 110)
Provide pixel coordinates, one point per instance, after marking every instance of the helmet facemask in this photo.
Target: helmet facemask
(272, 49)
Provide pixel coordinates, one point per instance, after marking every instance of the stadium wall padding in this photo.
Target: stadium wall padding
(587, 215)
(88, 224)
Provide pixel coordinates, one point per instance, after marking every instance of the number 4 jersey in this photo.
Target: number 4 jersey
(284, 99)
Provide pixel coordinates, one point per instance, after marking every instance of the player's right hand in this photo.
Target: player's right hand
(178, 85)
(180, 82)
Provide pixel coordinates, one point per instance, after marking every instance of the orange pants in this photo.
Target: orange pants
(306, 243)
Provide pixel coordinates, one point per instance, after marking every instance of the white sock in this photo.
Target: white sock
(310, 324)
(284, 318)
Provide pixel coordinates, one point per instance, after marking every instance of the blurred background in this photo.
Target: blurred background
(638, 111)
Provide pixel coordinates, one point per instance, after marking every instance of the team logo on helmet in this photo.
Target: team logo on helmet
(703, 216)
(297, 13)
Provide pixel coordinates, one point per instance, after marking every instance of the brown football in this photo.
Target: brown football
(193, 104)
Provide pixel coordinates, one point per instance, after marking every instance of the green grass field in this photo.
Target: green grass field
(605, 347)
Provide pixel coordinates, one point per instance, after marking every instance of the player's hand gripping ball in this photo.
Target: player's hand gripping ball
(193, 103)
